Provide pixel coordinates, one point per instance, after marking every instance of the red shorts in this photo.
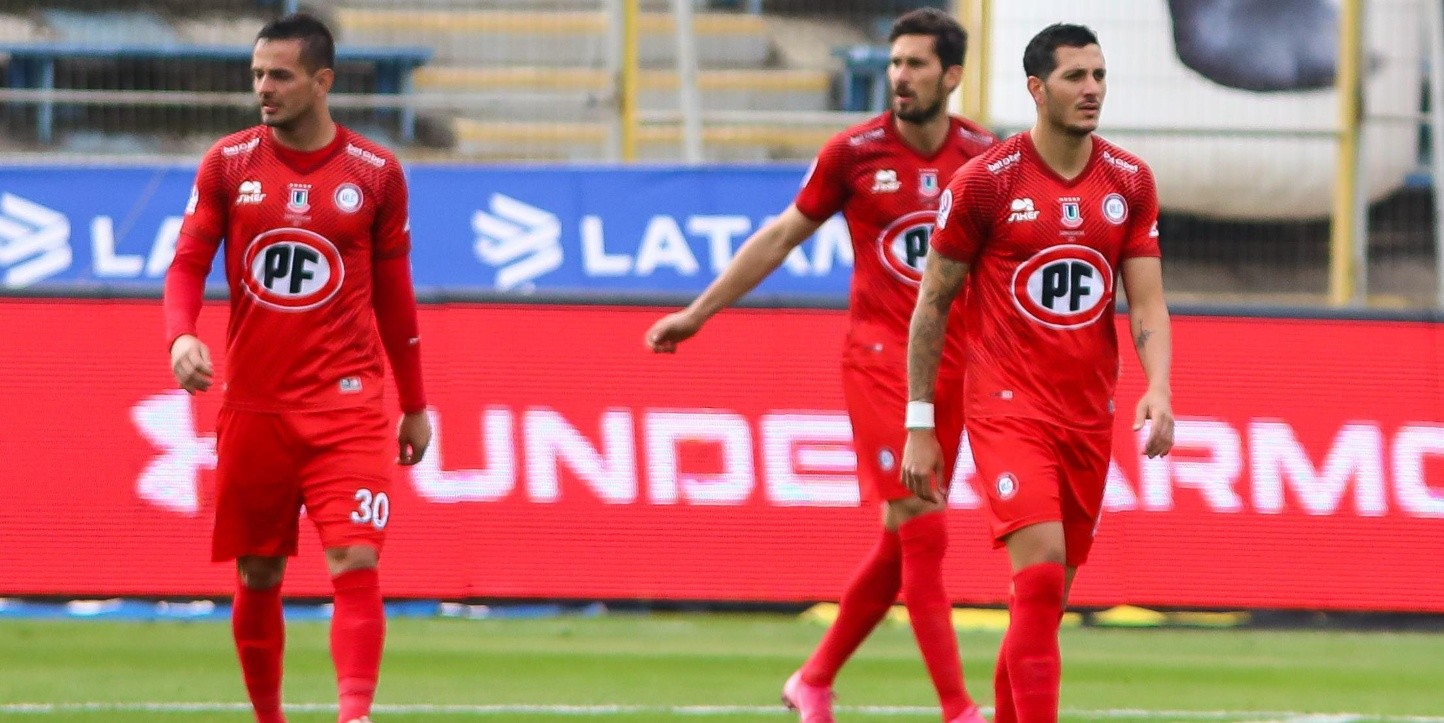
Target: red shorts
(1032, 471)
(876, 404)
(337, 463)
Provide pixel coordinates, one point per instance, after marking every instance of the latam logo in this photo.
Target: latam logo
(624, 456)
(525, 243)
(34, 242)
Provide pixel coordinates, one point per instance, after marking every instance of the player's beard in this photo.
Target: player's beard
(922, 115)
(1059, 119)
(285, 121)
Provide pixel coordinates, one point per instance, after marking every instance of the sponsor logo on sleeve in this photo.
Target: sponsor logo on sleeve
(1002, 163)
(365, 156)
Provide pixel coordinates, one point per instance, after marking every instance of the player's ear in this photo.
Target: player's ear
(953, 77)
(1035, 89)
(324, 79)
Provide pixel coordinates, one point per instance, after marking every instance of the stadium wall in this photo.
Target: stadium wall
(570, 463)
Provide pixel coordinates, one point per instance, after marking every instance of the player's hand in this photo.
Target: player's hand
(922, 466)
(671, 329)
(413, 436)
(190, 362)
(1156, 405)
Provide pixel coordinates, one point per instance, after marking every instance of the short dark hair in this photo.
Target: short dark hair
(318, 47)
(1040, 58)
(950, 41)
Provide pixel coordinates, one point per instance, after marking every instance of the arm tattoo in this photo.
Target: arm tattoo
(942, 279)
(1140, 339)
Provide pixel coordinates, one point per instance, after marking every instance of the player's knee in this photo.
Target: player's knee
(261, 573)
(1037, 544)
(351, 557)
(901, 511)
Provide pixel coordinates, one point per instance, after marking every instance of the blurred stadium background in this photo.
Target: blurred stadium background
(576, 166)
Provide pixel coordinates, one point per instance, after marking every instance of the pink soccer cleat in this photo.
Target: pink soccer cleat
(813, 703)
(971, 715)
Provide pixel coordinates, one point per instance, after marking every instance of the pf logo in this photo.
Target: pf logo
(291, 269)
(903, 245)
(1063, 287)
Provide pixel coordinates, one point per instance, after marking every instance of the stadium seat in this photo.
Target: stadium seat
(110, 27)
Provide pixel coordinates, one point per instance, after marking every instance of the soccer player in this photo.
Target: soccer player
(1043, 222)
(883, 175)
(314, 218)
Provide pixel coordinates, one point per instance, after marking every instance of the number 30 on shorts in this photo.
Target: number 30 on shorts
(371, 509)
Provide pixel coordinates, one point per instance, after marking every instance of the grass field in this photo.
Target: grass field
(708, 668)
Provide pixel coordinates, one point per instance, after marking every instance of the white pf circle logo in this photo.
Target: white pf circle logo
(1115, 208)
(291, 269)
(348, 197)
(903, 245)
(1063, 287)
(1006, 486)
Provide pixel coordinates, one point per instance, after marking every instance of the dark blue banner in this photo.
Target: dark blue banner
(517, 229)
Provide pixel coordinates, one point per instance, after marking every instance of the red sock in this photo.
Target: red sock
(868, 597)
(1034, 664)
(924, 542)
(260, 633)
(358, 632)
(1003, 711)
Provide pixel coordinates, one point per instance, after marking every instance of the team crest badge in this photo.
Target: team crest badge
(886, 459)
(1006, 486)
(299, 199)
(1072, 215)
(928, 182)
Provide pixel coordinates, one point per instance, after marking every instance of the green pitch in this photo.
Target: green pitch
(723, 668)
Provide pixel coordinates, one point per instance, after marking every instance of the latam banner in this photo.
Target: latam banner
(571, 463)
(569, 230)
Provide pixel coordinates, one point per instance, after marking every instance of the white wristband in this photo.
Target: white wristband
(919, 416)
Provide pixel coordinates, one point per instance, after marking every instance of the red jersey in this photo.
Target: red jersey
(302, 230)
(1045, 254)
(888, 193)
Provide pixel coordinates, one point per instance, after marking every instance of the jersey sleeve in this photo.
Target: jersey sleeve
(965, 213)
(200, 237)
(1143, 228)
(391, 234)
(824, 189)
(205, 217)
